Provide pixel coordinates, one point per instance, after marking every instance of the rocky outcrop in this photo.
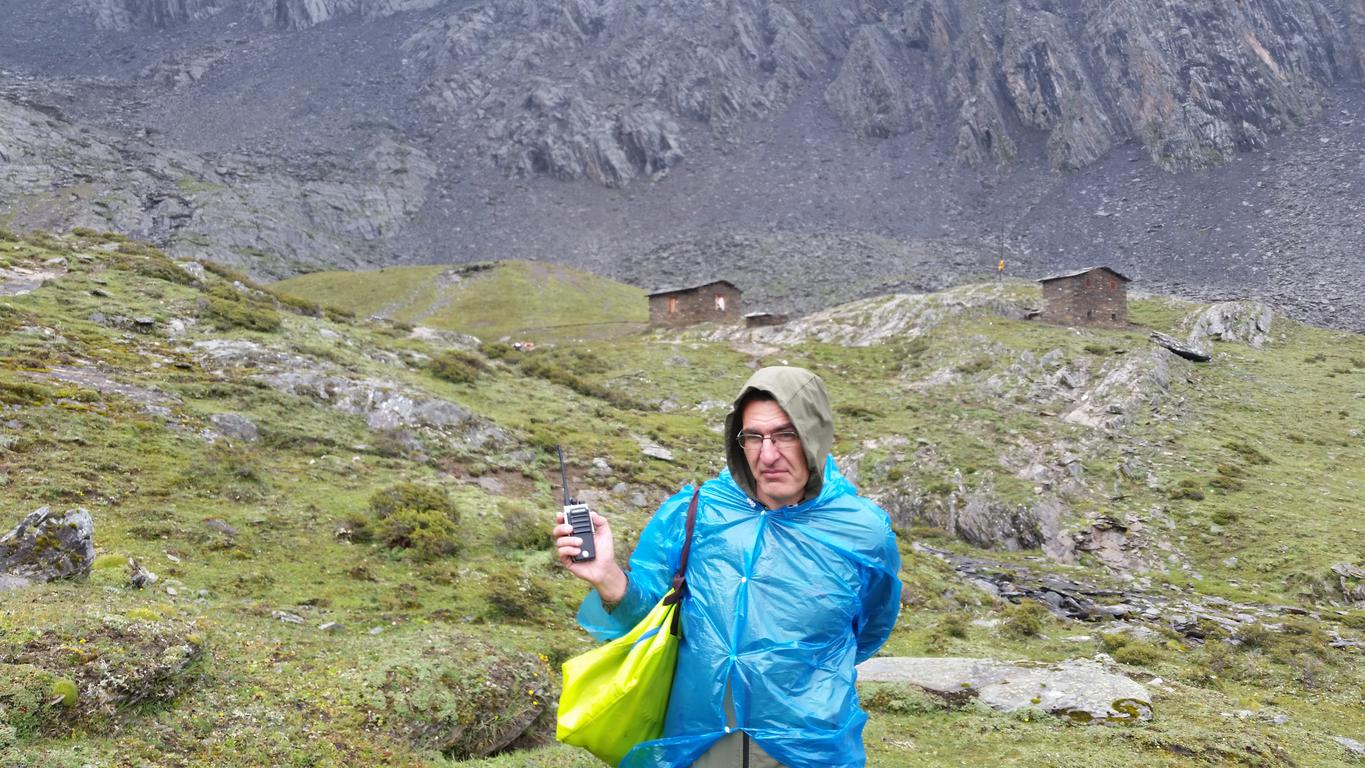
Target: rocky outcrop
(577, 89)
(46, 546)
(386, 406)
(1243, 322)
(1193, 87)
(887, 318)
(1138, 384)
(239, 210)
(1079, 690)
(301, 14)
(123, 15)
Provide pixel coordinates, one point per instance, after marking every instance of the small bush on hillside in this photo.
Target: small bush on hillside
(953, 625)
(429, 533)
(524, 526)
(229, 274)
(47, 241)
(550, 370)
(457, 367)
(1187, 488)
(859, 411)
(498, 350)
(20, 392)
(1225, 516)
(298, 304)
(901, 700)
(227, 314)
(515, 597)
(411, 496)
(230, 471)
(1247, 451)
(975, 365)
(1127, 649)
(1227, 483)
(356, 527)
(1023, 621)
(7, 236)
(416, 517)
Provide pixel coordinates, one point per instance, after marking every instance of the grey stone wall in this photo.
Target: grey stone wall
(716, 303)
(1094, 298)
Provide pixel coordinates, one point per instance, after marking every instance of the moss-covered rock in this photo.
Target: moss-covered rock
(96, 665)
(453, 694)
(47, 545)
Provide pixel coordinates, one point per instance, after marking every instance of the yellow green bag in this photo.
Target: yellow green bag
(616, 695)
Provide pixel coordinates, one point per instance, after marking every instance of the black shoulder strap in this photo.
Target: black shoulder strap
(680, 578)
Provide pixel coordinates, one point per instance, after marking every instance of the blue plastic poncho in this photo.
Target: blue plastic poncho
(781, 605)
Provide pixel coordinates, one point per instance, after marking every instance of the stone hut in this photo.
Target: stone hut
(1094, 296)
(715, 302)
(763, 319)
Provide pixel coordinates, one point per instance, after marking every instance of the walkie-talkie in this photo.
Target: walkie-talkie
(577, 515)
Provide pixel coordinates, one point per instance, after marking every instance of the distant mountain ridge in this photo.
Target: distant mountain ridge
(1166, 138)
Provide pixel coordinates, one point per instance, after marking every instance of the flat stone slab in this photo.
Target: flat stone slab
(1078, 689)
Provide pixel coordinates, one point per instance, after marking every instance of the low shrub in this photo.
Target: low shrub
(1024, 620)
(975, 365)
(515, 598)
(1128, 649)
(416, 517)
(411, 496)
(428, 533)
(498, 350)
(859, 411)
(1187, 488)
(227, 314)
(457, 367)
(524, 526)
(458, 696)
(298, 304)
(20, 392)
(549, 369)
(1247, 451)
(892, 699)
(1225, 516)
(229, 274)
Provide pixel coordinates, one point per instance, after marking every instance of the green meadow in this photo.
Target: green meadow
(367, 580)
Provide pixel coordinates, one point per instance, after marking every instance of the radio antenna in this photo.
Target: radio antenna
(563, 476)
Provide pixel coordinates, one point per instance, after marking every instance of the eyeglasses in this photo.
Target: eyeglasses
(753, 442)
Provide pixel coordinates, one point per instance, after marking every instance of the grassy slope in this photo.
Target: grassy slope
(521, 298)
(273, 693)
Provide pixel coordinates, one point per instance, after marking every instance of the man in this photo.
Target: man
(792, 580)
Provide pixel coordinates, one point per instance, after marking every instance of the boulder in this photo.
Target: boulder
(47, 546)
(1078, 689)
(1188, 351)
(1243, 322)
(986, 521)
(235, 426)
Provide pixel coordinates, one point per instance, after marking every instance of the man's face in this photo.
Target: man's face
(780, 471)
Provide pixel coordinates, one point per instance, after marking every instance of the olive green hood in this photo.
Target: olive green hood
(802, 395)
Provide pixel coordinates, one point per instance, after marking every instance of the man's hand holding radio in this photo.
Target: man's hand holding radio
(601, 572)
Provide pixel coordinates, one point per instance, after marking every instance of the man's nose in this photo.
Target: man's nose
(768, 452)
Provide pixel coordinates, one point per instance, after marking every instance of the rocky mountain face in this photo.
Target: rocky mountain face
(1165, 138)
